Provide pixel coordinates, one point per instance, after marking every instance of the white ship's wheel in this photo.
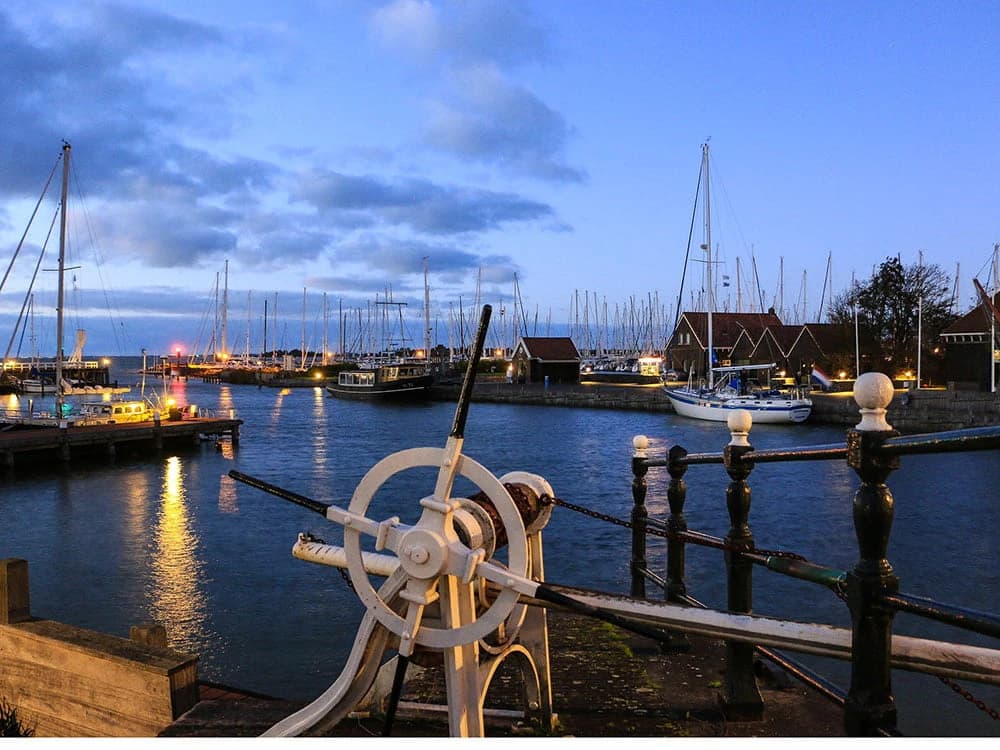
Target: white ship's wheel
(431, 548)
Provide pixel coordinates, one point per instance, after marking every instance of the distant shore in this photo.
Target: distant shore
(911, 411)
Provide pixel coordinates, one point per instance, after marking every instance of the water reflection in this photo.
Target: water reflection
(278, 403)
(227, 493)
(178, 601)
(319, 429)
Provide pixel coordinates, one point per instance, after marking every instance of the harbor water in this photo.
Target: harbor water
(174, 539)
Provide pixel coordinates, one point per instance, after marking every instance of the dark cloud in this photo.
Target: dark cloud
(391, 258)
(419, 204)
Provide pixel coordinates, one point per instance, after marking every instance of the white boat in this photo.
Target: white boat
(734, 390)
(717, 399)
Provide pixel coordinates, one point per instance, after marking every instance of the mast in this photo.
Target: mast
(61, 285)
(427, 315)
(708, 267)
(225, 312)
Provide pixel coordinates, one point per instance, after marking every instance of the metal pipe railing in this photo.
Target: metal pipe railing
(870, 588)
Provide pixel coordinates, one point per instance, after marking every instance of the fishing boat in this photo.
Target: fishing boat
(387, 382)
(730, 388)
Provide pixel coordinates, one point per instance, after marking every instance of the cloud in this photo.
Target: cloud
(389, 257)
(483, 116)
(460, 33)
(416, 203)
(494, 121)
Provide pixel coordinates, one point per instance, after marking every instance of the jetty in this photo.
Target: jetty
(65, 445)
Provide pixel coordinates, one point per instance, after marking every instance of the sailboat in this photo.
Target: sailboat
(728, 388)
(61, 383)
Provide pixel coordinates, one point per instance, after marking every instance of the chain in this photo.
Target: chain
(991, 712)
(547, 500)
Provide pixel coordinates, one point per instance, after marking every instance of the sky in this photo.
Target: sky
(546, 152)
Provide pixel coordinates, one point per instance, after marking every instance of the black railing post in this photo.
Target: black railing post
(640, 444)
(741, 699)
(676, 550)
(870, 708)
(676, 524)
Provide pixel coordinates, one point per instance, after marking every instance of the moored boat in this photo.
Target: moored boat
(391, 382)
(732, 391)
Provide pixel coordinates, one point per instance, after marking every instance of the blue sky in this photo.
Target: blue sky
(332, 146)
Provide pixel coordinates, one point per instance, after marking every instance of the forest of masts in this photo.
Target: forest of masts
(382, 329)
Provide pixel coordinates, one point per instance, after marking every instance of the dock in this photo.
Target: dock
(64, 445)
(606, 683)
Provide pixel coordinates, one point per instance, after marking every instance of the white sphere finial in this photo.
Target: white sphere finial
(639, 445)
(873, 393)
(739, 423)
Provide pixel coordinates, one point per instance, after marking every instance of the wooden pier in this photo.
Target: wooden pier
(64, 445)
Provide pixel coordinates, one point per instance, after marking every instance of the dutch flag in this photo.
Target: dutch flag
(822, 378)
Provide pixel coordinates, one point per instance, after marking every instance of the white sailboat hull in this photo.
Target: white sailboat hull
(763, 409)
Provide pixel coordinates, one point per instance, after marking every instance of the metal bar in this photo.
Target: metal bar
(951, 441)
(806, 676)
(967, 619)
(955, 660)
(273, 489)
(465, 397)
(828, 452)
(801, 569)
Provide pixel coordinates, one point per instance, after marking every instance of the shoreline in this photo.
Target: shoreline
(911, 411)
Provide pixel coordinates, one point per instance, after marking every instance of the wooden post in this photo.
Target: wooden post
(741, 699)
(15, 595)
(640, 444)
(870, 707)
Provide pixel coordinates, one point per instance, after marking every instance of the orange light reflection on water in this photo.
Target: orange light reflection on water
(178, 603)
(319, 420)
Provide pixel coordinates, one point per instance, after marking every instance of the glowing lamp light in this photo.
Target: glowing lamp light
(106, 361)
(318, 375)
(841, 374)
(171, 403)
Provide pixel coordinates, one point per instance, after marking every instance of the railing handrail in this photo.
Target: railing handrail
(870, 589)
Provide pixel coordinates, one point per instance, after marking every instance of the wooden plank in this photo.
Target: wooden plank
(74, 682)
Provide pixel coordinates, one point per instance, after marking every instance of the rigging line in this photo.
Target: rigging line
(98, 261)
(687, 252)
(34, 276)
(30, 221)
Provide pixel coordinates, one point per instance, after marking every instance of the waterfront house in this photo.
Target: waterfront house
(537, 358)
(967, 348)
(774, 345)
(688, 345)
(828, 346)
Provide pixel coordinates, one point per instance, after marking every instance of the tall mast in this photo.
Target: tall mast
(708, 266)
(427, 315)
(225, 312)
(61, 290)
